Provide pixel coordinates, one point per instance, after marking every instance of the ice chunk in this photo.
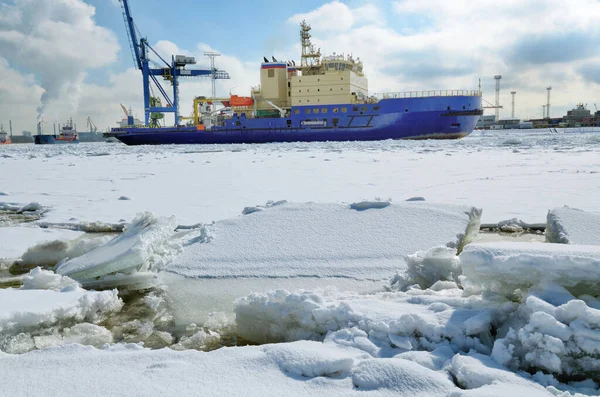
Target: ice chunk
(144, 245)
(325, 240)
(504, 267)
(44, 279)
(563, 340)
(437, 265)
(52, 252)
(573, 226)
(23, 309)
(404, 320)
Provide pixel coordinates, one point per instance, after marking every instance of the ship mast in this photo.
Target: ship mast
(310, 58)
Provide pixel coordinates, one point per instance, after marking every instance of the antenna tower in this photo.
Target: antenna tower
(497, 78)
(310, 57)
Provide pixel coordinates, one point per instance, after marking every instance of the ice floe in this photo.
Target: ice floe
(505, 266)
(366, 240)
(573, 226)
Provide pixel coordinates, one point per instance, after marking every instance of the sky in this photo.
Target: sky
(62, 59)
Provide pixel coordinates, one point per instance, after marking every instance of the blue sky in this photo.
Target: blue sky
(234, 27)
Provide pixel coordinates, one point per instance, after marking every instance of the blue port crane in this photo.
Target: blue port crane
(140, 49)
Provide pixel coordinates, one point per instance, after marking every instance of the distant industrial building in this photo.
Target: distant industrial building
(579, 116)
(485, 122)
(506, 124)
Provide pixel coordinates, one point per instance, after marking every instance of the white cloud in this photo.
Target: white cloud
(334, 16)
(440, 44)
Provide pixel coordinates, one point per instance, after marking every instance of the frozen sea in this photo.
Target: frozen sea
(302, 269)
(507, 174)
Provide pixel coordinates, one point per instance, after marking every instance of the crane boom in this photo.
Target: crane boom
(131, 33)
(170, 72)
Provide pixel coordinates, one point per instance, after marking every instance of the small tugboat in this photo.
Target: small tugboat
(67, 134)
(4, 138)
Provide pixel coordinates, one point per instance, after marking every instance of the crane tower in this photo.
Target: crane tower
(172, 72)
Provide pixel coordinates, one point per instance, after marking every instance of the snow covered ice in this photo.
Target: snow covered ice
(573, 226)
(324, 240)
(311, 251)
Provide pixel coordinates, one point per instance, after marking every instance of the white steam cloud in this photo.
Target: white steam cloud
(57, 40)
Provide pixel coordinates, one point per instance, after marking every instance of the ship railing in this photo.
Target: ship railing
(426, 94)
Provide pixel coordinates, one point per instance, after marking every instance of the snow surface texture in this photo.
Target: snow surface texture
(504, 267)
(365, 241)
(49, 300)
(15, 240)
(573, 226)
(144, 245)
(202, 183)
(297, 369)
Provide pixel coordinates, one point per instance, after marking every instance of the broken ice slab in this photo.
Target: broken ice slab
(415, 319)
(504, 267)
(46, 299)
(144, 244)
(366, 241)
(567, 225)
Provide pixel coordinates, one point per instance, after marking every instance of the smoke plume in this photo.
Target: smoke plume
(57, 40)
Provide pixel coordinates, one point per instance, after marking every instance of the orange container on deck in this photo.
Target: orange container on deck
(240, 101)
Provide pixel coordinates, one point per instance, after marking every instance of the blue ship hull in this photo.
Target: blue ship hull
(440, 117)
(50, 140)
